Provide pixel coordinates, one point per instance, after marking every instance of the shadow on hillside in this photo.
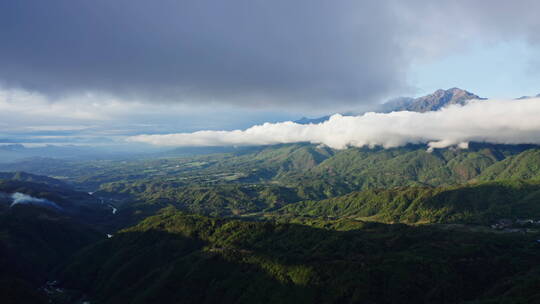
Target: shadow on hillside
(247, 262)
(160, 267)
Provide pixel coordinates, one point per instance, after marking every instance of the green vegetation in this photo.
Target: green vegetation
(174, 257)
(291, 224)
(266, 178)
(322, 172)
(80, 205)
(475, 204)
(33, 243)
(525, 165)
(221, 200)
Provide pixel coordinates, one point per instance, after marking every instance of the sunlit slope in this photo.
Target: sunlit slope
(477, 203)
(525, 165)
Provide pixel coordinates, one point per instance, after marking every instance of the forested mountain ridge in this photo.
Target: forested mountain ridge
(276, 176)
(525, 165)
(194, 259)
(287, 163)
(269, 152)
(34, 242)
(481, 203)
(293, 223)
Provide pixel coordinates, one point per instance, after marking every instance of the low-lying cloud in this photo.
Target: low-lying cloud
(493, 121)
(21, 198)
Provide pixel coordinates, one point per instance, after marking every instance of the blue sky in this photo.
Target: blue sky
(508, 69)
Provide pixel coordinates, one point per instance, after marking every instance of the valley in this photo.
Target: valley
(286, 217)
(269, 152)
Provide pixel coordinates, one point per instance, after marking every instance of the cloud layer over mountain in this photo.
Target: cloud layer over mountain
(494, 121)
(94, 72)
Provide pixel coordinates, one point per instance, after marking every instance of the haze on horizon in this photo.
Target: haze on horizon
(101, 72)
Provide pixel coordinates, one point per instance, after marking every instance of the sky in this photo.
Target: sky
(507, 69)
(105, 72)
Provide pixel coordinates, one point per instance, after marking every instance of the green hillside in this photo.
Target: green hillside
(219, 200)
(525, 165)
(173, 257)
(367, 225)
(477, 203)
(363, 168)
(228, 186)
(323, 171)
(37, 179)
(33, 243)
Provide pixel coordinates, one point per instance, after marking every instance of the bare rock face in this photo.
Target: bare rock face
(435, 101)
(432, 102)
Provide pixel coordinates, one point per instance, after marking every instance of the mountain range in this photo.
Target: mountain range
(292, 223)
(287, 223)
(431, 102)
(527, 97)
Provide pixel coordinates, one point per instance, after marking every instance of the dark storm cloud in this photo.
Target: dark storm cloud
(239, 51)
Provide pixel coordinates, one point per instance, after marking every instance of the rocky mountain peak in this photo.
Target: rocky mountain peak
(435, 101)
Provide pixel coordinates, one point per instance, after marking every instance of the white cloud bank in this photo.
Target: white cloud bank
(494, 121)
